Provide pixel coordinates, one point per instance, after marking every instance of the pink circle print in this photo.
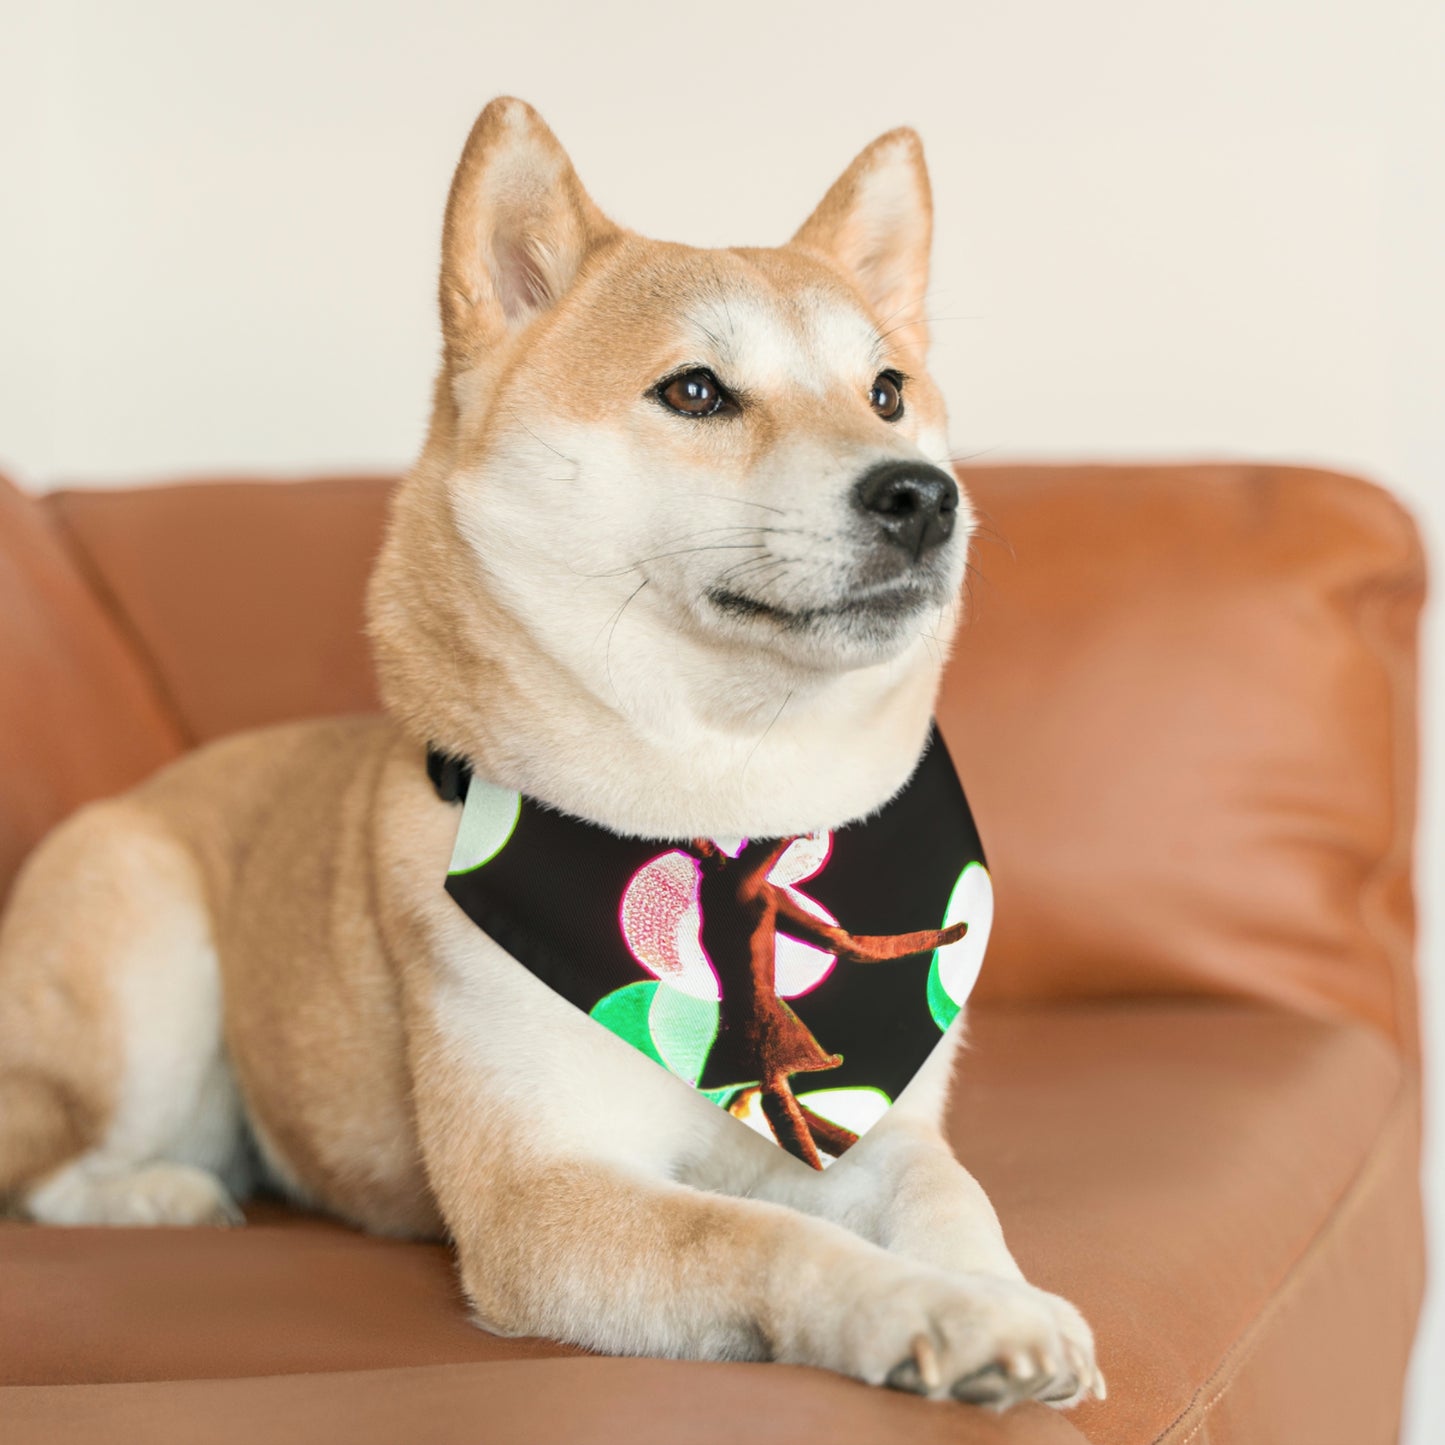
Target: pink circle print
(662, 920)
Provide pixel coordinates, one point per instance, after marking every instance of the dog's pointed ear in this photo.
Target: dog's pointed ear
(518, 228)
(877, 224)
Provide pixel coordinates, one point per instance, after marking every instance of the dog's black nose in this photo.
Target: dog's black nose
(915, 504)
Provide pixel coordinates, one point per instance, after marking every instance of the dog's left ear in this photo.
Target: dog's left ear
(877, 223)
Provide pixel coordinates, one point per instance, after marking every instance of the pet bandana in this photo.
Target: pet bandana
(798, 983)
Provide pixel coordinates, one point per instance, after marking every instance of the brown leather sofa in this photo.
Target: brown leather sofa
(1185, 711)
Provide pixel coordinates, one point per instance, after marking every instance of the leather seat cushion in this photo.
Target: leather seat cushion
(1225, 1191)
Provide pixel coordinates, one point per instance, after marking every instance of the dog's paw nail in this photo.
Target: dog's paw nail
(1101, 1390)
(926, 1357)
(1063, 1391)
(1050, 1365)
(906, 1377)
(229, 1214)
(988, 1386)
(1021, 1365)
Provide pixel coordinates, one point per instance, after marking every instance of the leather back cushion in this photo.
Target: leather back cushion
(1182, 706)
(79, 716)
(246, 595)
(1184, 711)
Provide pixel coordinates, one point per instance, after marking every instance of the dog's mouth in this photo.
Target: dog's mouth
(876, 605)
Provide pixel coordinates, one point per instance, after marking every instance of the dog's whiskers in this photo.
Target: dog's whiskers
(763, 737)
(615, 620)
(741, 502)
(571, 461)
(737, 569)
(688, 551)
(985, 528)
(801, 582)
(749, 530)
(761, 577)
(657, 556)
(931, 319)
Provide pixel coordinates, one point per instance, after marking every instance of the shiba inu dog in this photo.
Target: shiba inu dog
(679, 557)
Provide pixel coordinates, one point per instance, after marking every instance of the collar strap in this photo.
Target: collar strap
(450, 776)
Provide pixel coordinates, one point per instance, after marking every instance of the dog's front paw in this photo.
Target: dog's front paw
(1056, 1366)
(978, 1338)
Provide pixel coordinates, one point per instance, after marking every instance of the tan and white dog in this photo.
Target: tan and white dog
(678, 557)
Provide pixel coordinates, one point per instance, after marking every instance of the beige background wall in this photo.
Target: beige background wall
(1164, 229)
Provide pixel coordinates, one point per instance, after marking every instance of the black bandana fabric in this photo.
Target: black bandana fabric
(799, 983)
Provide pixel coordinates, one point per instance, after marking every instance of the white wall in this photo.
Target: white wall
(1164, 229)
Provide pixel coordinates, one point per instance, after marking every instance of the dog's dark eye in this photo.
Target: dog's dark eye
(886, 397)
(694, 393)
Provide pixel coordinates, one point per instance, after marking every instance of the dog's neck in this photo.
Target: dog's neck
(665, 737)
(689, 751)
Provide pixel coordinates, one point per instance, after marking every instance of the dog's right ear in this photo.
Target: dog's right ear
(518, 228)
